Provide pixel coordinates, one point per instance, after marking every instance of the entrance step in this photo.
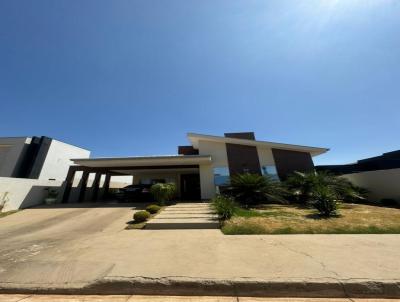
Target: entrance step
(185, 216)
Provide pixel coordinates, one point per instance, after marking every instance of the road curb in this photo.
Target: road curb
(196, 287)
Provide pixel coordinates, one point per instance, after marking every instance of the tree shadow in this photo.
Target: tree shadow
(317, 216)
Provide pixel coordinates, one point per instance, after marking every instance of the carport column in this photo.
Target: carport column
(95, 186)
(106, 185)
(84, 181)
(207, 185)
(68, 184)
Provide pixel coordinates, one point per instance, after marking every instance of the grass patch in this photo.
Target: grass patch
(292, 219)
(240, 212)
(132, 225)
(4, 214)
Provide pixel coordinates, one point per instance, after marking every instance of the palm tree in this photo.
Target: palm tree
(251, 189)
(304, 186)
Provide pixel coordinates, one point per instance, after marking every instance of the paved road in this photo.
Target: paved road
(86, 249)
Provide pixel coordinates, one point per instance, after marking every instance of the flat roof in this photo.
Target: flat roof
(195, 138)
(137, 161)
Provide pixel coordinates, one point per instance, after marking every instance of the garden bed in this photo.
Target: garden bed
(295, 219)
(134, 225)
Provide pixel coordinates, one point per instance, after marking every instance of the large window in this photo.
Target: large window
(152, 181)
(221, 176)
(270, 170)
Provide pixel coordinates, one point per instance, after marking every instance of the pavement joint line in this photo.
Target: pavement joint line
(24, 298)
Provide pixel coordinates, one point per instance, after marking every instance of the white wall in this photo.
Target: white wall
(11, 149)
(216, 150)
(265, 156)
(16, 193)
(381, 183)
(219, 158)
(58, 160)
(207, 185)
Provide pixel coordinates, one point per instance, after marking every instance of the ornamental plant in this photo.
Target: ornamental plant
(163, 192)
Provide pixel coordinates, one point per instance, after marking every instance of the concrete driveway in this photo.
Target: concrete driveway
(87, 250)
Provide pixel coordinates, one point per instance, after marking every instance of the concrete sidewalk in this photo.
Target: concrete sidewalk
(69, 251)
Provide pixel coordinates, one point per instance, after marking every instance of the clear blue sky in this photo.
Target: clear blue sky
(132, 77)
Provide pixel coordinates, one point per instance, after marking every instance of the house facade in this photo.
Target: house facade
(37, 157)
(30, 166)
(199, 168)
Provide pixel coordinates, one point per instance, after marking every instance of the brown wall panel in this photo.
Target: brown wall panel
(187, 150)
(241, 135)
(288, 162)
(242, 159)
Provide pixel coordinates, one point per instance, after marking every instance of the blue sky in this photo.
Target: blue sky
(132, 77)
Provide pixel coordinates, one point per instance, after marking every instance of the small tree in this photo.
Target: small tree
(324, 200)
(163, 192)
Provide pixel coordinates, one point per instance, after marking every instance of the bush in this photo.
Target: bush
(224, 206)
(324, 201)
(141, 216)
(250, 189)
(163, 192)
(153, 208)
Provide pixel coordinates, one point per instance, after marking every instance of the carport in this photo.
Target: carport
(184, 170)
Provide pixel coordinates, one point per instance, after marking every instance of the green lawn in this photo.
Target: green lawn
(294, 219)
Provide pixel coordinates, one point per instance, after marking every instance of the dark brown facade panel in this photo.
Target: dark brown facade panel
(187, 150)
(288, 162)
(241, 135)
(242, 159)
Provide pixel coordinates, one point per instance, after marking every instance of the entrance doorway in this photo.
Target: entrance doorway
(190, 187)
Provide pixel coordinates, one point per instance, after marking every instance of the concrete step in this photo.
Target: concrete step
(185, 216)
(188, 223)
(189, 208)
(176, 211)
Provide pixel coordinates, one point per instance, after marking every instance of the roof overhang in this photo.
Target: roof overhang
(144, 161)
(194, 138)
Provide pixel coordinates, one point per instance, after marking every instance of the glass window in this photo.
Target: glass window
(270, 171)
(221, 176)
(151, 181)
(145, 181)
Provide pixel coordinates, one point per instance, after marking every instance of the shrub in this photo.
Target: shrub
(324, 201)
(141, 216)
(153, 208)
(305, 185)
(163, 192)
(250, 189)
(224, 206)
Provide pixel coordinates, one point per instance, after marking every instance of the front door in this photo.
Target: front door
(190, 187)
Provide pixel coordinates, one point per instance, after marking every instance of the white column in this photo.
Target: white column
(207, 186)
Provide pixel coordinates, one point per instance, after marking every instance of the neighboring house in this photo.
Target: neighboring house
(198, 169)
(29, 166)
(380, 174)
(37, 157)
